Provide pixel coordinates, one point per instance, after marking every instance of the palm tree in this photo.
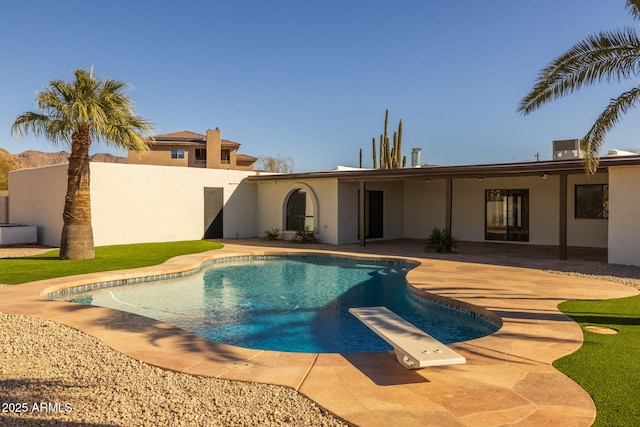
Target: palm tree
(605, 56)
(75, 113)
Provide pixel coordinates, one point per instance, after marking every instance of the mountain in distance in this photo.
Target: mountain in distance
(34, 159)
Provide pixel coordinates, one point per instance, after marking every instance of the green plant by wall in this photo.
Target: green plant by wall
(272, 234)
(440, 243)
(305, 236)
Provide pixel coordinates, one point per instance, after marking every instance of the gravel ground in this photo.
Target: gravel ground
(55, 376)
(19, 251)
(625, 274)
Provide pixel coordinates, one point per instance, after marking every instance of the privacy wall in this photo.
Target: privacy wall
(135, 203)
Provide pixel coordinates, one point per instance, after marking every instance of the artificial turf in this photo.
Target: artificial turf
(47, 266)
(608, 366)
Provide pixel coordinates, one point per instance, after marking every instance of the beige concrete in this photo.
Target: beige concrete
(163, 158)
(508, 378)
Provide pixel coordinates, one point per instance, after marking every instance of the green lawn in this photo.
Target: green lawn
(608, 366)
(46, 266)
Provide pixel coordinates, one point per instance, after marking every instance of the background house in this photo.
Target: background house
(193, 150)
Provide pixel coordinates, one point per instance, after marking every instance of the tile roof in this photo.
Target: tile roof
(181, 134)
(227, 143)
(245, 158)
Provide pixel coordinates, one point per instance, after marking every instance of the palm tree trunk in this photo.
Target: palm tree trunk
(77, 234)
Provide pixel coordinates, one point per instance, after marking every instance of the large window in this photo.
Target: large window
(592, 201)
(201, 154)
(177, 154)
(507, 215)
(299, 212)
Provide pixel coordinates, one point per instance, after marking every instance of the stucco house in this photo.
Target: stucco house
(531, 203)
(186, 148)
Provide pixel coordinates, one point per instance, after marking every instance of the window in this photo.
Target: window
(592, 201)
(507, 215)
(201, 154)
(225, 157)
(177, 154)
(299, 212)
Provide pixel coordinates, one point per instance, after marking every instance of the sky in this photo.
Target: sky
(311, 80)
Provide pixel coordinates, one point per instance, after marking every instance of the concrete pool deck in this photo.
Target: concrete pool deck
(508, 378)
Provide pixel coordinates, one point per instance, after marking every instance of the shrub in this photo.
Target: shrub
(272, 234)
(440, 243)
(305, 236)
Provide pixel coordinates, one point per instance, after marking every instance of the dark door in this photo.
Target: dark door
(373, 214)
(376, 211)
(213, 204)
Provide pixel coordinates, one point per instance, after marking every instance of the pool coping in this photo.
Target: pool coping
(508, 378)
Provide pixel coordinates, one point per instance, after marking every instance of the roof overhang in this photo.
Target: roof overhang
(551, 167)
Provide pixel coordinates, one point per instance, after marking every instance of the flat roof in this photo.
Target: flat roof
(549, 167)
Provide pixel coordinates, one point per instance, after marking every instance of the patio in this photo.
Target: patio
(508, 377)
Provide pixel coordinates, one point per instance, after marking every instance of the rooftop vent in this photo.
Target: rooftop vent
(619, 153)
(415, 157)
(567, 149)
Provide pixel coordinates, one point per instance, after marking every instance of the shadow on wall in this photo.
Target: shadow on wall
(4, 207)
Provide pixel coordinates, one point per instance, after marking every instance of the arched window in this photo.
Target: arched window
(299, 212)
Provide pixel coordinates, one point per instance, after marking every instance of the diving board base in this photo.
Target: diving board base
(414, 348)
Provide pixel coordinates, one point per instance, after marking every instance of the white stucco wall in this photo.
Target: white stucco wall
(468, 220)
(424, 207)
(135, 203)
(393, 196)
(37, 198)
(624, 214)
(393, 209)
(348, 212)
(593, 233)
(272, 197)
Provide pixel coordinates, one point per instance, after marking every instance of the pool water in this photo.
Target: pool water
(295, 304)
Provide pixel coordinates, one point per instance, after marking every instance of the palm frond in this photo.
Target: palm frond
(633, 7)
(100, 104)
(54, 130)
(606, 56)
(593, 140)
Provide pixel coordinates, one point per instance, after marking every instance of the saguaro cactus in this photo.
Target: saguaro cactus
(399, 146)
(390, 156)
(375, 159)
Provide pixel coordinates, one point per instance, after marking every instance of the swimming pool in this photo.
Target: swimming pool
(291, 303)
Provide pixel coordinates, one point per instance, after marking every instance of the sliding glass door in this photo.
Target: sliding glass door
(507, 215)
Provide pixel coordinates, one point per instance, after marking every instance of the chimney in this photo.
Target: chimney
(415, 157)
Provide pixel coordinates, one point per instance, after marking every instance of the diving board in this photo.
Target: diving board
(414, 348)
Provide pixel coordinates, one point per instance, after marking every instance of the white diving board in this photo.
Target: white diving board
(414, 348)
